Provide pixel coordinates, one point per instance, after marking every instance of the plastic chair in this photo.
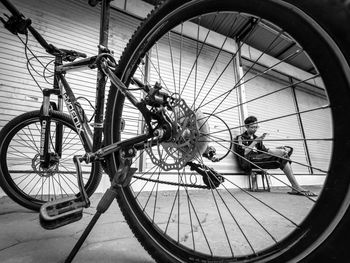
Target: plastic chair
(253, 181)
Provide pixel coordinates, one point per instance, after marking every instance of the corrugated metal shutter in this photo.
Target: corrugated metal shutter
(66, 24)
(317, 127)
(279, 110)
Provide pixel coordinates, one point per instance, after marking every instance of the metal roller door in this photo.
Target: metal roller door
(316, 121)
(66, 24)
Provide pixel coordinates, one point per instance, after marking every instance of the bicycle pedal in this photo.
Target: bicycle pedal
(60, 212)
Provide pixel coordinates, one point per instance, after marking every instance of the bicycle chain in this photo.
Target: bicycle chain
(171, 183)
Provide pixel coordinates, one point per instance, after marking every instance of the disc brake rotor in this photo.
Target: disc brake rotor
(184, 144)
(44, 172)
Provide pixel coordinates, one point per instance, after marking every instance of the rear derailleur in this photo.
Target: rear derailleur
(210, 177)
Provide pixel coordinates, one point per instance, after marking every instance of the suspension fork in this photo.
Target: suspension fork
(59, 126)
(45, 121)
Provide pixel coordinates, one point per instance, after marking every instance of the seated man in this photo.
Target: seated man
(252, 149)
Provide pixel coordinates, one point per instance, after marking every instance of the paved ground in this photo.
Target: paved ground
(22, 240)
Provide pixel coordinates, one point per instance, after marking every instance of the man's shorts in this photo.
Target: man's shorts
(267, 161)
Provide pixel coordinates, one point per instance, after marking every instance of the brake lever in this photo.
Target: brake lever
(16, 24)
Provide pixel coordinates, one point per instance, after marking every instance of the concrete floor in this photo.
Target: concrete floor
(22, 240)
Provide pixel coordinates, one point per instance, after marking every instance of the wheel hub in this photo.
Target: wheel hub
(44, 172)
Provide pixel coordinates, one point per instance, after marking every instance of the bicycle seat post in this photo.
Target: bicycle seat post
(101, 78)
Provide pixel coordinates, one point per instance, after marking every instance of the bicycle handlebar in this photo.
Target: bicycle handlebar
(11, 8)
(18, 24)
(73, 53)
(49, 48)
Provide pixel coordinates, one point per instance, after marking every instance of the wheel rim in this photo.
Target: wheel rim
(143, 208)
(26, 179)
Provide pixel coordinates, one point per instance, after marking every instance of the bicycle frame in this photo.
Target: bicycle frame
(80, 122)
(91, 140)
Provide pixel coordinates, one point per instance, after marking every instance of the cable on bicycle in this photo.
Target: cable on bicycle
(92, 106)
(25, 43)
(30, 66)
(46, 69)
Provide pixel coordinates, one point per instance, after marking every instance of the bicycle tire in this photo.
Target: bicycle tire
(321, 233)
(24, 132)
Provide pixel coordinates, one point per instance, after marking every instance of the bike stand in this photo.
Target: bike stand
(102, 207)
(126, 174)
(60, 212)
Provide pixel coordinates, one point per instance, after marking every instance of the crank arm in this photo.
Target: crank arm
(84, 197)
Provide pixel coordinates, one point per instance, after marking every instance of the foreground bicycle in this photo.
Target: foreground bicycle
(197, 108)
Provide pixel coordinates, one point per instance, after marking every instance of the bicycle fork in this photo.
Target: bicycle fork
(47, 158)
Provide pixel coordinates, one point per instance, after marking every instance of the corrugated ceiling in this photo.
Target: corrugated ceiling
(258, 34)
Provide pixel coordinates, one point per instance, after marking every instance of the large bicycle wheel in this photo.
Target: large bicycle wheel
(21, 176)
(221, 60)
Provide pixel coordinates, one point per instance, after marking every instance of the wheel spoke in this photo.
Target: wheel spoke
(35, 183)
